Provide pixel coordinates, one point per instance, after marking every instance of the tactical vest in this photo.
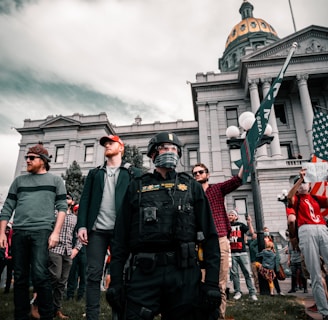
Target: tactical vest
(164, 216)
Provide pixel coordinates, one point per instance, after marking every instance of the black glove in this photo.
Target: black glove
(210, 295)
(115, 298)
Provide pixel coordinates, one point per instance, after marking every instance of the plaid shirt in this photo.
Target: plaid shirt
(64, 246)
(215, 194)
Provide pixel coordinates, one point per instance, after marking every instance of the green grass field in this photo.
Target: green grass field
(272, 308)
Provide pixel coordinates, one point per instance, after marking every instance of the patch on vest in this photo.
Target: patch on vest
(151, 187)
(155, 187)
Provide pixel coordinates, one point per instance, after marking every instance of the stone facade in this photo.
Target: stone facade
(215, 97)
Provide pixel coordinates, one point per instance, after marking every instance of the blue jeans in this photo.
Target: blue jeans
(96, 252)
(313, 244)
(243, 262)
(30, 255)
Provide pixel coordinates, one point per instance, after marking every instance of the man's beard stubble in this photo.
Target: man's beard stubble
(202, 181)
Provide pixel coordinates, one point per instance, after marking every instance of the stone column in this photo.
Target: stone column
(255, 103)
(275, 144)
(306, 106)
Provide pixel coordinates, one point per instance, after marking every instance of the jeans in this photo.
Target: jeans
(77, 276)
(30, 255)
(96, 252)
(313, 244)
(243, 262)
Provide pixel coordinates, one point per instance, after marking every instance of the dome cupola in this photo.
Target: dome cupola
(249, 33)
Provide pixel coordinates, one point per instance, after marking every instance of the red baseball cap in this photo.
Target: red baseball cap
(104, 139)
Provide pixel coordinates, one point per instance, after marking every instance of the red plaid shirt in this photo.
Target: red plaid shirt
(215, 194)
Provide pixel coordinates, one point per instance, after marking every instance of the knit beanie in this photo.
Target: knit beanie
(234, 212)
(41, 151)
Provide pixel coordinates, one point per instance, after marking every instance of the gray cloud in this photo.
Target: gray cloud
(122, 57)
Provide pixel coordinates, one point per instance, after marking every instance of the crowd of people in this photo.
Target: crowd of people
(137, 234)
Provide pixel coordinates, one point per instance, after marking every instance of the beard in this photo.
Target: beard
(112, 152)
(202, 181)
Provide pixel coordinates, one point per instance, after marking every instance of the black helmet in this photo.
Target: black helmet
(163, 137)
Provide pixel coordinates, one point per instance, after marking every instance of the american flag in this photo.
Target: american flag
(320, 188)
(320, 135)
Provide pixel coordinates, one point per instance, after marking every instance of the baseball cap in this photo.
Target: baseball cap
(111, 137)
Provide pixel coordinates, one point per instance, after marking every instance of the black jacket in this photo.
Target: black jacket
(93, 191)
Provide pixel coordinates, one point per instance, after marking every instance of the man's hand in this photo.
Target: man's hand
(53, 240)
(3, 240)
(210, 295)
(83, 236)
(115, 298)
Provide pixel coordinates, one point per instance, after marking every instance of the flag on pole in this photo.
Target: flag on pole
(320, 135)
(255, 134)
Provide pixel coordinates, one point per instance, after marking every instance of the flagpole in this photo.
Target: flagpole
(291, 11)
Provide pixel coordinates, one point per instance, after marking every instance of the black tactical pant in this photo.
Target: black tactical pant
(171, 291)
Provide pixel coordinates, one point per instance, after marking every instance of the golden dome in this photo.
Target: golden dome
(247, 26)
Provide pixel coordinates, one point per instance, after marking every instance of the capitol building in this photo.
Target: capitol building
(253, 57)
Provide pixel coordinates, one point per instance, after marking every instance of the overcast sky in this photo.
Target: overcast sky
(122, 57)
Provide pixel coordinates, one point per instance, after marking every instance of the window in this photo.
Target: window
(60, 154)
(88, 153)
(193, 158)
(232, 117)
(317, 107)
(286, 151)
(279, 110)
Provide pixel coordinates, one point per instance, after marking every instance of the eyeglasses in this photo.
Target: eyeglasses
(168, 147)
(69, 198)
(31, 157)
(198, 172)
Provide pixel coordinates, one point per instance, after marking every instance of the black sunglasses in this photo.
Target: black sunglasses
(31, 157)
(196, 172)
(69, 198)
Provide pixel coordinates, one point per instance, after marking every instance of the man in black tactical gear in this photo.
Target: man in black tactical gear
(157, 228)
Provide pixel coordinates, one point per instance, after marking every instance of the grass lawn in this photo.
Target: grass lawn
(273, 308)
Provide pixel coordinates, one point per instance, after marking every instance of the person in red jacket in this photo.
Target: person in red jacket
(312, 234)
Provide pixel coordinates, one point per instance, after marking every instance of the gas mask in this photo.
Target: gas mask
(167, 160)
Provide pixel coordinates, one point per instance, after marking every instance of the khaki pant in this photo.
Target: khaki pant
(224, 272)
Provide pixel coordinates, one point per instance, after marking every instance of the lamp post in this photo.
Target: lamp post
(235, 141)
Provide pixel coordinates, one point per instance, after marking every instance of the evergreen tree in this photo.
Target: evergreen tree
(74, 181)
(133, 156)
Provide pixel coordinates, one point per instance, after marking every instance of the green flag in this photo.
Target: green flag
(255, 134)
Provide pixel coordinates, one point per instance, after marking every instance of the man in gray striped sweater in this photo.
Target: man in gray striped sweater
(34, 197)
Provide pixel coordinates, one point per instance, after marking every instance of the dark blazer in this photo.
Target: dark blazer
(93, 191)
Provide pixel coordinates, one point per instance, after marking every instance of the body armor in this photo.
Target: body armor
(163, 215)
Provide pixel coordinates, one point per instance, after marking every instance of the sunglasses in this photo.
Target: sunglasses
(198, 172)
(69, 198)
(31, 157)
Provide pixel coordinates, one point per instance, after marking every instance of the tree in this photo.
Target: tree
(74, 181)
(133, 156)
